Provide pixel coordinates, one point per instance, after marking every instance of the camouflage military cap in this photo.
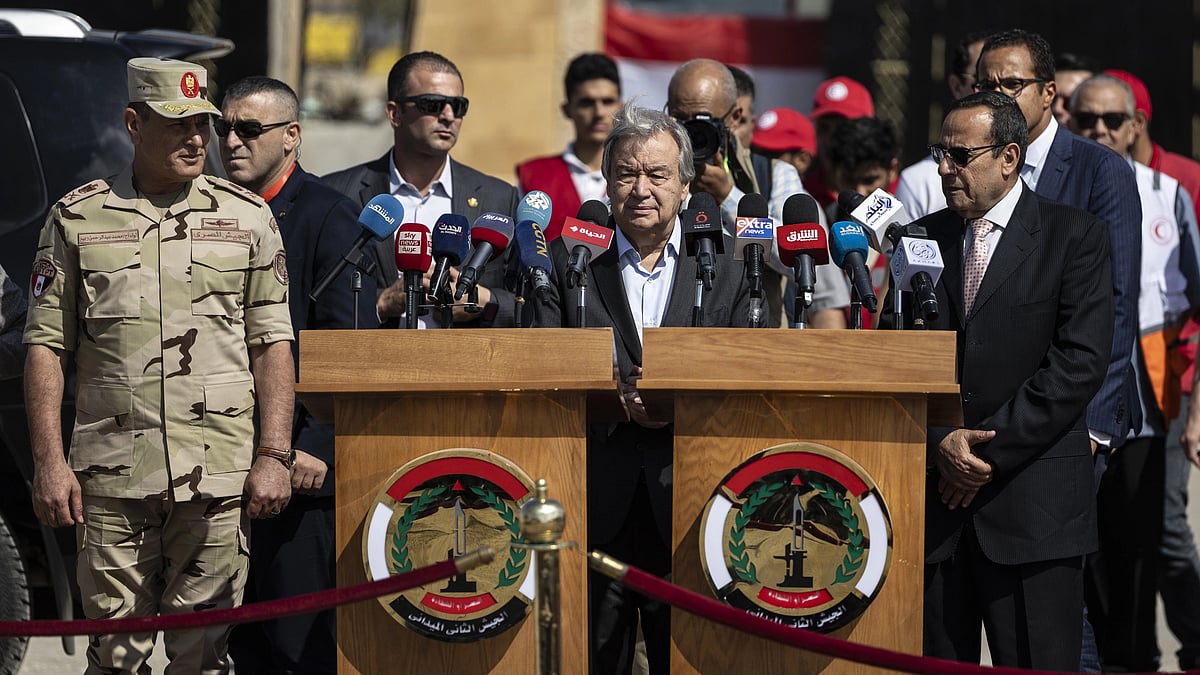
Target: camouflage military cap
(171, 88)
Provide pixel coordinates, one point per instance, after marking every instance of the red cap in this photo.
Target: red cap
(842, 96)
(781, 129)
(1141, 95)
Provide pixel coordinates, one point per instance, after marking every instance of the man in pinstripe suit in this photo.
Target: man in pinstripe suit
(1010, 508)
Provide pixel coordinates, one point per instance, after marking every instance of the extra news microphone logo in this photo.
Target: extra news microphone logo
(754, 228)
(537, 200)
(377, 208)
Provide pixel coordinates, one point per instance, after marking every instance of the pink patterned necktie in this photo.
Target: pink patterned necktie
(976, 262)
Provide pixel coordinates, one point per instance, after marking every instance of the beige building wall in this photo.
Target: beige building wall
(512, 56)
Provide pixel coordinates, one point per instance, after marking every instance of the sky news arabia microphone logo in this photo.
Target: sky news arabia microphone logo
(409, 242)
(378, 208)
(538, 200)
(798, 534)
(442, 505)
(879, 206)
(754, 228)
(802, 235)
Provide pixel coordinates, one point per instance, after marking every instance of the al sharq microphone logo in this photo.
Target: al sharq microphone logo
(797, 236)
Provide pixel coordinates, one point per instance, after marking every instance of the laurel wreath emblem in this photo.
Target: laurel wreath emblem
(853, 559)
(400, 562)
(738, 557)
(515, 564)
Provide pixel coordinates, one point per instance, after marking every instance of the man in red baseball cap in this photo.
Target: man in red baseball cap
(837, 99)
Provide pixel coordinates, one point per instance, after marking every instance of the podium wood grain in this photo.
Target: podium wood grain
(398, 395)
(734, 394)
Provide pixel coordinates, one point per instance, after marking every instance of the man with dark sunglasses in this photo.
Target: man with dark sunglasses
(1069, 169)
(426, 107)
(1131, 493)
(293, 554)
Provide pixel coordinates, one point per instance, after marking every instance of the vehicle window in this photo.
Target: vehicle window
(22, 187)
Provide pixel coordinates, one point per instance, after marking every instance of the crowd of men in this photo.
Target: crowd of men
(1071, 274)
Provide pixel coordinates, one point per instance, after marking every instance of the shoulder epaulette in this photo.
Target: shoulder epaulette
(230, 186)
(96, 187)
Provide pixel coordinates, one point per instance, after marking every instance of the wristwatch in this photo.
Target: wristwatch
(286, 457)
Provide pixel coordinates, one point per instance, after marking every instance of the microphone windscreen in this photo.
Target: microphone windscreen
(801, 208)
(797, 238)
(753, 205)
(414, 250)
(531, 246)
(848, 200)
(702, 200)
(535, 206)
(593, 211)
(846, 237)
(494, 228)
(452, 238)
(382, 215)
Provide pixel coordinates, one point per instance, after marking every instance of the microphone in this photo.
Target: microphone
(534, 210)
(586, 236)
(702, 235)
(802, 243)
(451, 243)
(916, 266)
(414, 255)
(882, 216)
(848, 247)
(489, 237)
(754, 231)
(379, 219)
(534, 257)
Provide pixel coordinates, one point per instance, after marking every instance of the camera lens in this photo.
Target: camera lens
(705, 135)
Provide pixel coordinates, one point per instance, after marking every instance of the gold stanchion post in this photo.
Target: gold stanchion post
(542, 523)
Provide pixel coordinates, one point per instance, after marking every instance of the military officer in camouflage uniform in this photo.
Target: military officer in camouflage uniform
(169, 288)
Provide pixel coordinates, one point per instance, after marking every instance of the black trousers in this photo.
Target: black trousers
(614, 611)
(1124, 575)
(1030, 612)
(290, 555)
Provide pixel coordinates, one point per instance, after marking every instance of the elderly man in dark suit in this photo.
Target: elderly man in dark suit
(1010, 508)
(426, 108)
(293, 554)
(645, 279)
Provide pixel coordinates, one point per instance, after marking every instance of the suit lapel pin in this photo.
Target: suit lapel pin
(472, 202)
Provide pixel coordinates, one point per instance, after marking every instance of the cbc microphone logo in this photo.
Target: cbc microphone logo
(381, 211)
(538, 200)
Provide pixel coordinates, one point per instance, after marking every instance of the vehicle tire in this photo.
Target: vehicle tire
(14, 600)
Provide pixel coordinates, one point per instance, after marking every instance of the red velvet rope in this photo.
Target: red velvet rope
(707, 608)
(302, 604)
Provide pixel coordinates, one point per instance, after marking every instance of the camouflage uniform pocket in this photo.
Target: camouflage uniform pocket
(102, 442)
(219, 275)
(111, 280)
(229, 426)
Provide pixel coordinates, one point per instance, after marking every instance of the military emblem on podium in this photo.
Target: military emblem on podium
(440, 506)
(798, 534)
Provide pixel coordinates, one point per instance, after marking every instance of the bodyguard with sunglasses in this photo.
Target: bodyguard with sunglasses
(426, 108)
(293, 554)
(1009, 510)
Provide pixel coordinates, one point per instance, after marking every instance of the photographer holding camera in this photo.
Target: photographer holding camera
(702, 96)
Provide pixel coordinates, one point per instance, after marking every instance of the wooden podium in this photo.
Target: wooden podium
(399, 395)
(733, 393)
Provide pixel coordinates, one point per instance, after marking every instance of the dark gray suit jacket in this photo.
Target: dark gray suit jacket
(474, 194)
(618, 453)
(1031, 355)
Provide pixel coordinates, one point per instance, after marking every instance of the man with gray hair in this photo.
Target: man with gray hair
(1131, 493)
(644, 280)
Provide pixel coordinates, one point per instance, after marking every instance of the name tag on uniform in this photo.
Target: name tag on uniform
(112, 237)
(235, 236)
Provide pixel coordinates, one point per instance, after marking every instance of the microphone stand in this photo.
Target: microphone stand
(581, 302)
(412, 304)
(855, 309)
(522, 288)
(355, 291)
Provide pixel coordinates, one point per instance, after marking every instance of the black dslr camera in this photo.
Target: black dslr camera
(708, 134)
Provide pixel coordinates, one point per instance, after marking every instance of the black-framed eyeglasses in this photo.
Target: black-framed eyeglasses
(1112, 120)
(1013, 86)
(959, 156)
(245, 129)
(434, 104)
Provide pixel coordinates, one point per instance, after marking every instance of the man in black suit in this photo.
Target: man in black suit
(293, 553)
(1010, 508)
(426, 108)
(645, 279)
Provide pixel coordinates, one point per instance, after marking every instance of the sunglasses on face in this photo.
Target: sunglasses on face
(959, 156)
(245, 129)
(434, 104)
(1112, 120)
(1013, 86)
